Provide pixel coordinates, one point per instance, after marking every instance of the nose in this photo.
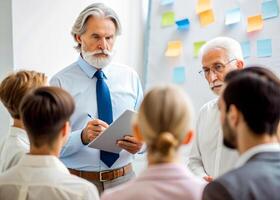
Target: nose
(212, 76)
(102, 44)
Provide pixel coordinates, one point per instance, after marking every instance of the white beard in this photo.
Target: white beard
(97, 62)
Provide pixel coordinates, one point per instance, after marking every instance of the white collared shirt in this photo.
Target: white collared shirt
(15, 145)
(44, 178)
(208, 156)
(272, 147)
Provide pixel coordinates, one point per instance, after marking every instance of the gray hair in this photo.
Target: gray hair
(99, 10)
(231, 46)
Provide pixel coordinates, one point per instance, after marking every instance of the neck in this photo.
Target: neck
(153, 161)
(44, 150)
(18, 124)
(250, 140)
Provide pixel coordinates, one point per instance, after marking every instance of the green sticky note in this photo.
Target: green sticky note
(197, 46)
(168, 18)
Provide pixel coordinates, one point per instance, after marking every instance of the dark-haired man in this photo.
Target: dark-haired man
(250, 113)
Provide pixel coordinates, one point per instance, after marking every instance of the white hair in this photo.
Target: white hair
(231, 46)
(99, 10)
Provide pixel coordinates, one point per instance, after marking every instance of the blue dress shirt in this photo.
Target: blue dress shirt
(126, 93)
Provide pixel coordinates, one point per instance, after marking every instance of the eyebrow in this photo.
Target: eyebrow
(212, 64)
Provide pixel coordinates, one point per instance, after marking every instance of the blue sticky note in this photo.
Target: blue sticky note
(264, 48)
(246, 50)
(233, 16)
(166, 2)
(183, 24)
(270, 9)
(179, 75)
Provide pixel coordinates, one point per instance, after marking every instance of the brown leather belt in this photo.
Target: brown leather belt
(102, 176)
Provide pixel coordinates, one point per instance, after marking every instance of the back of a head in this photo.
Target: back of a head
(231, 46)
(256, 94)
(44, 112)
(15, 86)
(165, 116)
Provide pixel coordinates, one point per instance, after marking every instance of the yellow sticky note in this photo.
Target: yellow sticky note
(206, 17)
(202, 6)
(168, 18)
(255, 23)
(174, 48)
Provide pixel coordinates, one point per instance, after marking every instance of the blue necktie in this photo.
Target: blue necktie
(104, 106)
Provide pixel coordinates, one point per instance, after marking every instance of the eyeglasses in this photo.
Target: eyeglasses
(216, 68)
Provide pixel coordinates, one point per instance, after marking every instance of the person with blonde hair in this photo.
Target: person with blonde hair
(12, 90)
(164, 124)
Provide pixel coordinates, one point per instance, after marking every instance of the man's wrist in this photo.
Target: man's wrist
(84, 143)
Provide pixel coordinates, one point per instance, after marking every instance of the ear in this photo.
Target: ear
(240, 64)
(233, 116)
(137, 133)
(78, 39)
(188, 138)
(65, 130)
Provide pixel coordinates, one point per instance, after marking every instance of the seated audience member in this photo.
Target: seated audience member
(250, 114)
(163, 123)
(45, 113)
(12, 90)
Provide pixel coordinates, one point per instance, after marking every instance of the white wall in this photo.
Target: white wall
(6, 56)
(42, 39)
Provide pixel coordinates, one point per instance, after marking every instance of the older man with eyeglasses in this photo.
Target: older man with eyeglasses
(209, 158)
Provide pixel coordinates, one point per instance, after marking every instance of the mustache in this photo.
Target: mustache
(215, 84)
(105, 52)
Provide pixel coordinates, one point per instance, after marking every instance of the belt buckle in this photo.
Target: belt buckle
(100, 175)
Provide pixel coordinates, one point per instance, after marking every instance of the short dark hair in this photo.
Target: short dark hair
(256, 94)
(44, 112)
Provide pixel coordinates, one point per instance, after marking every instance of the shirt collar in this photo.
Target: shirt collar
(89, 69)
(43, 161)
(272, 147)
(19, 132)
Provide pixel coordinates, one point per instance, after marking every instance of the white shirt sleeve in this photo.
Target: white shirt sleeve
(195, 161)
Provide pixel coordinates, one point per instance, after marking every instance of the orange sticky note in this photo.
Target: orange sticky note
(255, 23)
(206, 17)
(174, 48)
(202, 6)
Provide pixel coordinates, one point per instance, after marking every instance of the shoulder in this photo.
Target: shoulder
(67, 72)
(125, 191)
(123, 69)
(79, 185)
(209, 106)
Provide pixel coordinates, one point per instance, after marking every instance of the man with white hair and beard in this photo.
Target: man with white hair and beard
(208, 158)
(102, 91)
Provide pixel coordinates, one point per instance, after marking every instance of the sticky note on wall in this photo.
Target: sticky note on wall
(168, 18)
(270, 9)
(179, 75)
(174, 49)
(196, 47)
(255, 23)
(202, 6)
(183, 24)
(264, 48)
(233, 16)
(206, 18)
(246, 49)
(166, 2)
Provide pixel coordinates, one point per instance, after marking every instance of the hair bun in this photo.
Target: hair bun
(166, 142)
